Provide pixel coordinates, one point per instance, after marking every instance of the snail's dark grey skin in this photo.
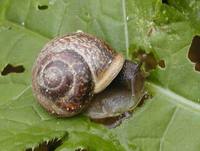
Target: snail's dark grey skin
(121, 96)
(69, 70)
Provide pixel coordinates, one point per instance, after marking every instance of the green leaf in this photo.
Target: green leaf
(85, 140)
(168, 121)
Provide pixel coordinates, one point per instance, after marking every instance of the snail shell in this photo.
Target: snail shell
(70, 70)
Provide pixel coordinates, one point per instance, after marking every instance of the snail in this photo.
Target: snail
(72, 69)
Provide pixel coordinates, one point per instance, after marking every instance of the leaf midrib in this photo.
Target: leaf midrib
(126, 36)
(177, 99)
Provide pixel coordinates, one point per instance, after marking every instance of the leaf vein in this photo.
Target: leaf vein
(162, 139)
(62, 20)
(21, 93)
(177, 99)
(125, 28)
(16, 121)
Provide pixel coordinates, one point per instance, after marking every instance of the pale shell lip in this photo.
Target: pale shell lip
(110, 73)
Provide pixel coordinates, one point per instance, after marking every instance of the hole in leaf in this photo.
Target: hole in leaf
(149, 60)
(42, 7)
(161, 63)
(197, 67)
(50, 146)
(165, 2)
(194, 52)
(12, 69)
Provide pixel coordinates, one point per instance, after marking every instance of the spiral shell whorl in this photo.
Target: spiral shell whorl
(63, 82)
(98, 55)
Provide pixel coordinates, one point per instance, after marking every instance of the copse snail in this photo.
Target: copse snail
(73, 68)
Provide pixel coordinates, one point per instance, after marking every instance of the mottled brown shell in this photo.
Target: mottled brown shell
(70, 69)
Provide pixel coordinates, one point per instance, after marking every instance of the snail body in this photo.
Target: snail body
(122, 96)
(69, 70)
